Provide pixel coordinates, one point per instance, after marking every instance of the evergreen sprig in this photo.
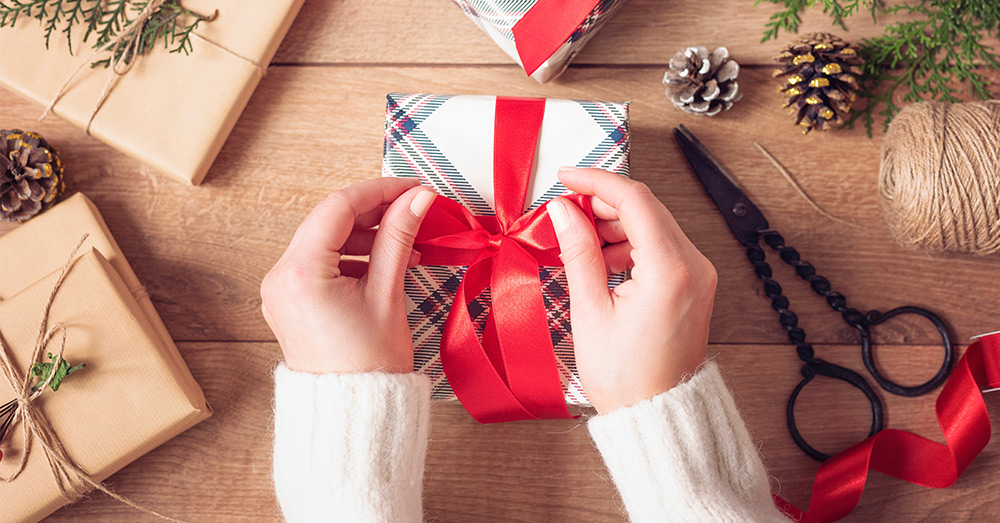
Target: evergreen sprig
(788, 20)
(947, 44)
(104, 20)
(41, 371)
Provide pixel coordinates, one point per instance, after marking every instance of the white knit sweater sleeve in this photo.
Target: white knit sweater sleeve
(686, 455)
(350, 447)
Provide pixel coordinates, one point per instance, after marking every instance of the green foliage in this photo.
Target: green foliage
(949, 43)
(104, 20)
(42, 370)
(788, 19)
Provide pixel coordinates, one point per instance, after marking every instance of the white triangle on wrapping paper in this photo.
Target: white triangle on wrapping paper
(462, 129)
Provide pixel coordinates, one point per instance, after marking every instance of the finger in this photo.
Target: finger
(617, 257)
(370, 218)
(328, 226)
(354, 268)
(394, 241)
(610, 231)
(586, 274)
(359, 243)
(649, 227)
(414, 259)
(602, 210)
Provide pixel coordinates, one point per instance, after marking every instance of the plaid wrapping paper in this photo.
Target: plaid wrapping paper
(497, 17)
(447, 142)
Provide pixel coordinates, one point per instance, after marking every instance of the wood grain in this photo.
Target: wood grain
(315, 125)
(642, 32)
(531, 471)
(310, 130)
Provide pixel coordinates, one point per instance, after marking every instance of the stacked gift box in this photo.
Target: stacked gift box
(135, 392)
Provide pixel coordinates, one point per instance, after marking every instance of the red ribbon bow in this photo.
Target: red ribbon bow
(545, 27)
(963, 418)
(512, 373)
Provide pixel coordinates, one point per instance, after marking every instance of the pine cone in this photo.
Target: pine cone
(30, 175)
(702, 83)
(821, 81)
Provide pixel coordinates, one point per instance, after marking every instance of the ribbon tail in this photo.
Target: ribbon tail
(963, 418)
(523, 331)
(471, 374)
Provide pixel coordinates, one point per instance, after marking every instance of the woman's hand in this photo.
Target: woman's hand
(643, 337)
(345, 315)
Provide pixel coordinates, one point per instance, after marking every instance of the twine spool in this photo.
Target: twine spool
(940, 177)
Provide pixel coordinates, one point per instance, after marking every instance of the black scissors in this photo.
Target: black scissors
(749, 226)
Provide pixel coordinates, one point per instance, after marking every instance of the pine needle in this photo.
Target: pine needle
(171, 24)
(943, 45)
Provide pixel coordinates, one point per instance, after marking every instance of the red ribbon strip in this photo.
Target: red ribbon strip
(963, 418)
(545, 27)
(511, 373)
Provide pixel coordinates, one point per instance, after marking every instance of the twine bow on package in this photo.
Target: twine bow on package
(135, 391)
(171, 111)
(541, 35)
(488, 306)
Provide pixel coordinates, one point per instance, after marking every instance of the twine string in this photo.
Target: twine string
(802, 192)
(119, 67)
(73, 481)
(126, 45)
(939, 181)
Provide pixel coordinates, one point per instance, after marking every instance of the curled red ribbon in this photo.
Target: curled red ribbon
(545, 27)
(963, 418)
(511, 373)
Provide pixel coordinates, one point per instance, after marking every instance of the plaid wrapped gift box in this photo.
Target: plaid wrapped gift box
(447, 142)
(497, 19)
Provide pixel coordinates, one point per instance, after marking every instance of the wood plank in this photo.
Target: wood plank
(202, 251)
(438, 32)
(530, 471)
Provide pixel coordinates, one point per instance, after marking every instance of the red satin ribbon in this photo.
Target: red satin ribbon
(511, 373)
(545, 27)
(963, 418)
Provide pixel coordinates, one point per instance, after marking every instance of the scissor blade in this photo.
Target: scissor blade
(743, 217)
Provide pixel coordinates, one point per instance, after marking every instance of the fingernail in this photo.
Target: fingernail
(559, 215)
(421, 203)
(567, 168)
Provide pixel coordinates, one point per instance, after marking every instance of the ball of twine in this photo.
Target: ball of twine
(940, 177)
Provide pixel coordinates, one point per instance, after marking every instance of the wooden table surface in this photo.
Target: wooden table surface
(315, 125)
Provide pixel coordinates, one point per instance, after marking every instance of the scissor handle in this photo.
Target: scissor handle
(855, 318)
(874, 318)
(820, 367)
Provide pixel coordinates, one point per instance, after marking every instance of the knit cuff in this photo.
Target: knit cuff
(685, 455)
(350, 447)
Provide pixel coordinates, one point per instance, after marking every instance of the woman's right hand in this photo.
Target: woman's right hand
(644, 336)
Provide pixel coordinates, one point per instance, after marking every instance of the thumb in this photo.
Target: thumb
(586, 272)
(393, 246)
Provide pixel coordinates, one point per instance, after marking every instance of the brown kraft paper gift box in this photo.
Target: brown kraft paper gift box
(172, 111)
(134, 394)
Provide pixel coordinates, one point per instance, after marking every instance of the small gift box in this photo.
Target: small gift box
(135, 391)
(491, 215)
(171, 111)
(541, 35)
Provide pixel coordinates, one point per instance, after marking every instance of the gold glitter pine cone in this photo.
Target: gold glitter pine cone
(819, 73)
(30, 175)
